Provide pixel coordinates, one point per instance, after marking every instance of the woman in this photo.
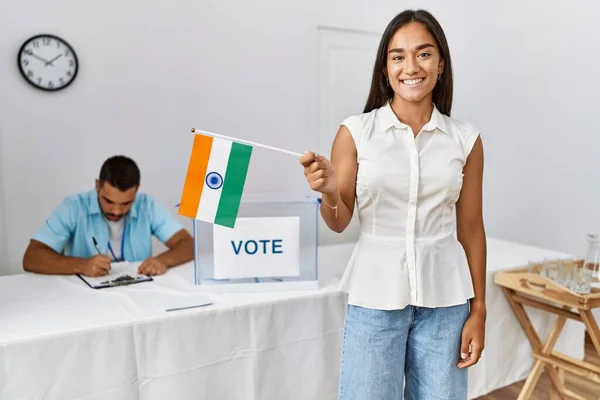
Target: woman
(416, 279)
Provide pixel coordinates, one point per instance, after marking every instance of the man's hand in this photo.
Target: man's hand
(153, 266)
(96, 266)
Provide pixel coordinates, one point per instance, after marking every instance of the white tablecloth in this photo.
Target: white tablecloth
(61, 340)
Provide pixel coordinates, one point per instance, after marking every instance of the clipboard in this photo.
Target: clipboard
(121, 274)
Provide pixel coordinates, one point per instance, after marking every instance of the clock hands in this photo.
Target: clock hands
(38, 57)
(54, 59)
(46, 62)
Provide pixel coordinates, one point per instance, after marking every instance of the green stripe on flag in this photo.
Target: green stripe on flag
(233, 184)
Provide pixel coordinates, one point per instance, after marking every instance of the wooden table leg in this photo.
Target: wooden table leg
(523, 319)
(537, 346)
(592, 328)
(539, 365)
(554, 394)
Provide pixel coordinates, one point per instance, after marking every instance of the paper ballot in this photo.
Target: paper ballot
(121, 273)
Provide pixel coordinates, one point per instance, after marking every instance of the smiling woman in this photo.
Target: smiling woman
(416, 280)
(414, 50)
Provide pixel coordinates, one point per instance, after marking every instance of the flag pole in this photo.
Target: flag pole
(194, 130)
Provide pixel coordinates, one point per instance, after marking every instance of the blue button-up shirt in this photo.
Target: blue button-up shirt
(79, 218)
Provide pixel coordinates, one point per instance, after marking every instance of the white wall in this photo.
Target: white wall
(285, 74)
(527, 77)
(3, 253)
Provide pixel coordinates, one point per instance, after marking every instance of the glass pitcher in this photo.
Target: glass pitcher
(592, 258)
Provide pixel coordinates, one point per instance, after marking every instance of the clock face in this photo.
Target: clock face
(47, 62)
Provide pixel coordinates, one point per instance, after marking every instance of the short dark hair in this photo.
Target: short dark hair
(121, 172)
(380, 91)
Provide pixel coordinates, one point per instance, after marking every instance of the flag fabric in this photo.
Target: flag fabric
(215, 180)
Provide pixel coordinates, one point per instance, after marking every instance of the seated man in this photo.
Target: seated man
(112, 223)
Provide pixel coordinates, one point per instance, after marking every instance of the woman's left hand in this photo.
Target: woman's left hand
(473, 339)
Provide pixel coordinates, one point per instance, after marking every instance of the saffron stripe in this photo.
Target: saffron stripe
(194, 179)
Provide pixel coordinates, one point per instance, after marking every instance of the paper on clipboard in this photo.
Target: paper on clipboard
(121, 273)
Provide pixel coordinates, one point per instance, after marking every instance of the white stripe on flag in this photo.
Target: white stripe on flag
(209, 200)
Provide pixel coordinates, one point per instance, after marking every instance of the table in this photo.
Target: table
(523, 287)
(507, 356)
(62, 340)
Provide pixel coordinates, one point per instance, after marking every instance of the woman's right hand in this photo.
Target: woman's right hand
(319, 172)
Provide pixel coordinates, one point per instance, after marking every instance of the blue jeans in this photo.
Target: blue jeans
(421, 345)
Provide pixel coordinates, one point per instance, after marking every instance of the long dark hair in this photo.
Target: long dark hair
(380, 91)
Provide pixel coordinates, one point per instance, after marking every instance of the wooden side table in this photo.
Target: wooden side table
(524, 288)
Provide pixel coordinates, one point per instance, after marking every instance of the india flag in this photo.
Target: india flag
(215, 180)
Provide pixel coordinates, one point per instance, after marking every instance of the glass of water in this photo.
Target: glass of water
(550, 269)
(534, 267)
(566, 273)
(582, 279)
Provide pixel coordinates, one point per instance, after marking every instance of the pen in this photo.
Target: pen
(185, 308)
(96, 245)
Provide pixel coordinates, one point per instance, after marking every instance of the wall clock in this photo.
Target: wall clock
(48, 62)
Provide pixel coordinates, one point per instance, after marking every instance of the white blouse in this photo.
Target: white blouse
(406, 191)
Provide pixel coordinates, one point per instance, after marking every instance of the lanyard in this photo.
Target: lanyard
(122, 258)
